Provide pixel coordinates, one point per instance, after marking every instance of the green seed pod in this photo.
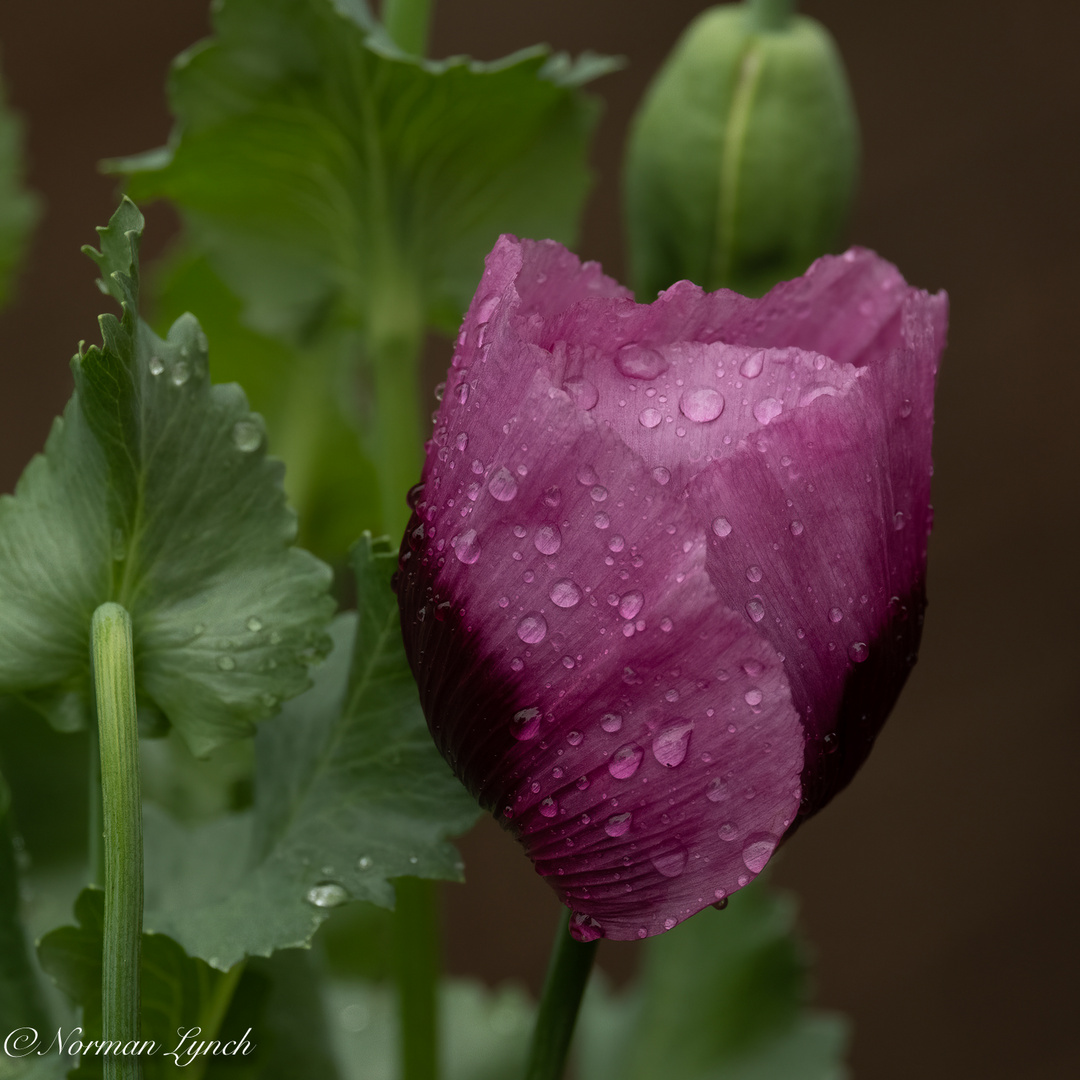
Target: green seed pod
(743, 156)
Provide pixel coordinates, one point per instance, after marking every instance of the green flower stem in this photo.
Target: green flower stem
(568, 972)
(96, 826)
(416, 962)
(408, 23)
(395, 337)
(114, 689)
(770, 14)
(213, 1015)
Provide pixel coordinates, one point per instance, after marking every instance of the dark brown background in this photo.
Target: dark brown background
(940, 890)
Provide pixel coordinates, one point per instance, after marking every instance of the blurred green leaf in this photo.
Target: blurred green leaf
(19, 209)
(328, 173)
(484, 1034)
(308, 394)
(721, 997)
(350, 792)
(155, 491)
(178, 992)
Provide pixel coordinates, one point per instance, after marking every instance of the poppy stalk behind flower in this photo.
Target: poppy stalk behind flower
(664, 578)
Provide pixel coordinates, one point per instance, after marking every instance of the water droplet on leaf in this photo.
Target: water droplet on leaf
(246, 436)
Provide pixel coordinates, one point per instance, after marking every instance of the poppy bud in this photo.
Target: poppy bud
(743, 157)
(664, 578)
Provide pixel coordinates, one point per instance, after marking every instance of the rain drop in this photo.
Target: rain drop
(532, 629)
(549, 807)
(616, 543)
(650, 417)
(364, 862)
(717, 791)
(753, 573)
(753, 697)
(905, 406)
(181, 372)
(467, 547)
(246, 436)
(617, 824)
(462, 441)
(898, 520)
(327, 894)
(671, 864)
(630, 604)
(525, 724)
(796, 528)
(671, 745)
(586, 475)
(756, 853)
(611, 722)
(721, 526)
(755, 609)
(625, 761)
(702, 404)
(582, 393)
(502, 485)
(727, 831)
(226, 663)
(751, 367)
(598, 493)
(640, 362)
(768, 409)
(548, 539)
(858, 651)
(156, 366)
(574, 738)
(835, 615)
(565, 593)
(661, 475)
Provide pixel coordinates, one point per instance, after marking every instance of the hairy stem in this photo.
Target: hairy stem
(118, 734)
(568, 972)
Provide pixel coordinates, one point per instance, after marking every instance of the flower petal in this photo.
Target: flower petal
(580, 675)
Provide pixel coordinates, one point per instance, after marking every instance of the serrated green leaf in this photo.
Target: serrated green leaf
(328, 173)
(19, 209)
(307, 393)
(155, 491)
(178, 992)
(721, 997)
(349, 794)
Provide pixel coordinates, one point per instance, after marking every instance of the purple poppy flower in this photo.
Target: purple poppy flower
(664, 576)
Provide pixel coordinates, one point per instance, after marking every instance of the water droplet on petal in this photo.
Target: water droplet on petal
(898, 521)
(584, 928)
(548, 539)
(671, 864)
(502, 485)
(525, 724)
(586, 475)
(753, 573)
(835, 615)
(666, 625)
(768, 409)
(565, 593)
(625, 761)
(727, 831)
(650, 417)
(467, 547)
(630, 604)
(549, 807)
(755, 609)
(717, 791)
(616, 543)
(532, 629)
(670, 745)
(701, 404)
(753, 697)
(905, 408)
(796, 528)
(598, 493)
(751, 367)
(246, 436)
(661, 475)
(582, 393)
(327, 894)
(618, 824)
(858, 651)
(640, 362)
(756, 853)
(721, 526)
(462, 441)
(611, 722)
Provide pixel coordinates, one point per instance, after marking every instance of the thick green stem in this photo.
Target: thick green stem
(416, 960)
(770, 14)
(118, 734)
(568, 972)
(408, 23)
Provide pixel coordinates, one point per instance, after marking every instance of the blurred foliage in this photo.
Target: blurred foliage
(19, 209)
